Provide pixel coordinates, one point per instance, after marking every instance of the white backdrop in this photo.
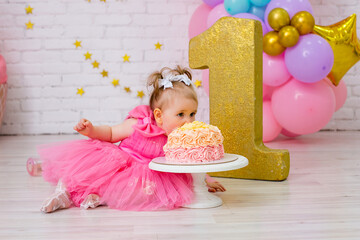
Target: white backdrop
(45, 68)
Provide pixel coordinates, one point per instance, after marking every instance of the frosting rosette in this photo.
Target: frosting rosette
(194, 142)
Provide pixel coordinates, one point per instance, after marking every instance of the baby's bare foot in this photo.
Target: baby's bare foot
(59, 200)
(91, 201)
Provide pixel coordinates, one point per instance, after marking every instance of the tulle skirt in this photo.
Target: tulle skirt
(93, 166)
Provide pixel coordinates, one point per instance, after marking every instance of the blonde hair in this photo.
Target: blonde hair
(156, 100)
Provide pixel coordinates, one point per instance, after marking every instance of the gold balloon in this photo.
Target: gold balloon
(232, 48)
(346, 46)
(278, 18)
(304, 22)
(288, 36)
(271, 44)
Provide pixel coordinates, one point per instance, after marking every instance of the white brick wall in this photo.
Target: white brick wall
(45, 69)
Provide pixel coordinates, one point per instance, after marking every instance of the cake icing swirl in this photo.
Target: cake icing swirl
(194, 142)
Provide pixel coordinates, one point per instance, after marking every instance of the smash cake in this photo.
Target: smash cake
(195, 142)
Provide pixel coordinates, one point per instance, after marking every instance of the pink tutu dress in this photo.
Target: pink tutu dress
(118, 174)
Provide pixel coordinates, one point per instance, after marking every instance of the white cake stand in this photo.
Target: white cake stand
(202, 198)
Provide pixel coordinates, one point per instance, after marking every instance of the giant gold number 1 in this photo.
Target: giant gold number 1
(232, 50)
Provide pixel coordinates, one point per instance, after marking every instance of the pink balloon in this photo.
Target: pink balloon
(303, 108)
(198, 21)
(288, 134)
(267, 92)
(205, 80)
(275, 72)
(216, 13)
(212, 3)
(340, 92)
(3, 75)
(271, 128)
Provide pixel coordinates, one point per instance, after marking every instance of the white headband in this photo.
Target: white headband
(166, 81)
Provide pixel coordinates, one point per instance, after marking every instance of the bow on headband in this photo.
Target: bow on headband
(166, 82)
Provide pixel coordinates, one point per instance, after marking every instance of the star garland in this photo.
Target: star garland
(29, 10)
(126, 58)
(105, 73)
(197, 83)
(158, 46)
(29, 25)
(80, 91)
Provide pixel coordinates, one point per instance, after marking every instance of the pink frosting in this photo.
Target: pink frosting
(195, 155)
(193, 138)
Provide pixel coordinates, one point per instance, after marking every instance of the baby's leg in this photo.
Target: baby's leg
(91, 201)
(60, 199)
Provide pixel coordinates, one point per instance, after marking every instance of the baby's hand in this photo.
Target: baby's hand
(84, 127)
(215, 186)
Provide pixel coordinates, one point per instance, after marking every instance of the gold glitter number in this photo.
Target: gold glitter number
(232, 50)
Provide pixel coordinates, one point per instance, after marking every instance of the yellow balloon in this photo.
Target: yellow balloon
(344, 42)
(304, 22)
(278, 18)
(288, 36)
(271, 44)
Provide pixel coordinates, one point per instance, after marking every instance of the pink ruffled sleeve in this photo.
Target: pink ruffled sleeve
(146, 124)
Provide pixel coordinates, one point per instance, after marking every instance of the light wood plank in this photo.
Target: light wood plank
(319, 200)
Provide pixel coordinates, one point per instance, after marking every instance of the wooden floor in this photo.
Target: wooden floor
(319, 200)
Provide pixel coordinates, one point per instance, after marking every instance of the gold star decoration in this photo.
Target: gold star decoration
(126, 58)
(80, 91)
(102, 0)
(29, 25)
(29, 10)
(87, 55)
(197, 83)
(115, 82)
(77, 43)
(127, 89)
(95, 64)
(104, 73)
(344, 42)
(158, 46)
(140, 94)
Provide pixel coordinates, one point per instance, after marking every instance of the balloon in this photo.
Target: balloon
(213, 3)
(278, 18)
(257, 11)
(205, 80)
(291, 6)
(304, 22)
(288, 134)
(275, 72)
(267, 92)
(288, 36)
(346, 46)
(251, 16)
(271, 128)
(198, 21)
(271, 44)
(310, 60)
(216, 13)
(3, 75)
(259, 3)
(340, 92)
(236, 6)
(303, 108)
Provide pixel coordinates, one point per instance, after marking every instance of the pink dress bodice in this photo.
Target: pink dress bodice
(147, 140)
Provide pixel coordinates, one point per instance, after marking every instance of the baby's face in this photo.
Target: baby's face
(179, 112)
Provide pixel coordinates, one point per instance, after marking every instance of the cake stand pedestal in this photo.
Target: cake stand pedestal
(202, 197)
